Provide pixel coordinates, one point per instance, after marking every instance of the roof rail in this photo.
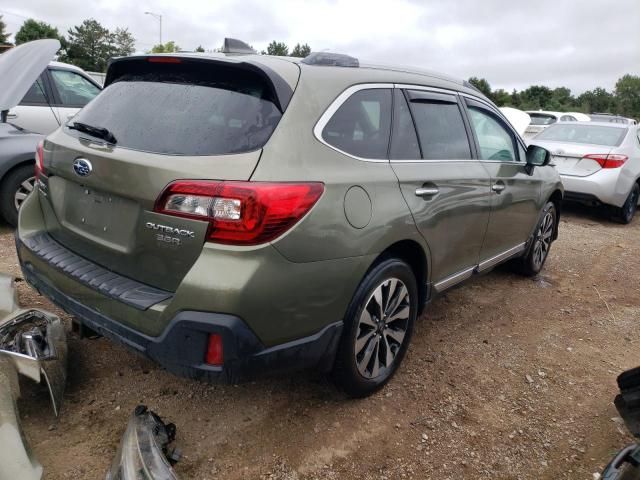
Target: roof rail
(233, 45)
(331, 59)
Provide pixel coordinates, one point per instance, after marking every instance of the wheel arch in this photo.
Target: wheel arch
(415, 256)
(19, 164)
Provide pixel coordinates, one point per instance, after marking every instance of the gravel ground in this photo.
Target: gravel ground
(506, 377)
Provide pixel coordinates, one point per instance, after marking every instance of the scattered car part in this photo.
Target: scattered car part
(33, 344)
(144, 449)
(625, 465)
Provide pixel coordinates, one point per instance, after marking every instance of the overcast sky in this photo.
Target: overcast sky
(581, 44)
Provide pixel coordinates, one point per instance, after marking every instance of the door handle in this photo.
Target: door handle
(426, 191)
(498, 187)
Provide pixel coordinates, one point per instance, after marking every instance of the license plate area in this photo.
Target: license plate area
(98, 216)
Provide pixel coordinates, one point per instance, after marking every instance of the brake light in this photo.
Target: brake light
(215, 352)
(39, 167)
(164, 60)
(240, 213)
(611, 160)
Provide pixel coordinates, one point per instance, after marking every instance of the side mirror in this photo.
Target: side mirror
(537, 157)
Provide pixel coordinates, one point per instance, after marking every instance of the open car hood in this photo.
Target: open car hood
(519, 119)
(21, 66)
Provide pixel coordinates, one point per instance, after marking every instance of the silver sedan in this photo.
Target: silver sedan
(599, 163)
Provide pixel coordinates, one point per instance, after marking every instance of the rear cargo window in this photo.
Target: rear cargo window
(362, 124)
(580, 133)
(186, 110)
(542, 119)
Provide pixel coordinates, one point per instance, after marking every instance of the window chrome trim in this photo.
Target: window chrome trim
(333, 108)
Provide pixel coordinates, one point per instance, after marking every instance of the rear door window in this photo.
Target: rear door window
(186, 109)
(362, 124)
(404, 141)
(440, 127)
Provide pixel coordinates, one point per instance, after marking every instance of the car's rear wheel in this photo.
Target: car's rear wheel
(540, 244)
(626, 213)
(378, 328)
(15, 188)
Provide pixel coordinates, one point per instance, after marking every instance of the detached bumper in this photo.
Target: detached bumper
(181, 348)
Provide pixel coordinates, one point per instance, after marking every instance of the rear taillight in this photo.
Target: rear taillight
(611, 160)
(240, 213)
(39, 167)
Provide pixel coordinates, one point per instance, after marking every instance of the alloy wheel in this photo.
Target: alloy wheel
(382, 328)
(542, 241)
(24, 189)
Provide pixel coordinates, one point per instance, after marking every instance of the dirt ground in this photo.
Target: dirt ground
(506, 377)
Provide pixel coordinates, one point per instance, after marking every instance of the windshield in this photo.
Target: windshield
(194, 112)
(542, 119)
(580, 133)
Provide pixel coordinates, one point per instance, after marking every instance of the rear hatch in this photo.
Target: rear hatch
(162, 119)
(539, 121)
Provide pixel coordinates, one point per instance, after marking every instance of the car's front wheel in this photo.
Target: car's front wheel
(15, 188)
(626, 213)
(378, 328)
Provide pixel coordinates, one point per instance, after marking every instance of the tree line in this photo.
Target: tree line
(623, 100)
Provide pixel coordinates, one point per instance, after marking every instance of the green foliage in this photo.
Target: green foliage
(482, 85)
(627, 94)
(169, 47)
(625, 100)
(4, 35)
(278, 48)
(301, 50)
(33, 30)
(90, 45)
(199, 49)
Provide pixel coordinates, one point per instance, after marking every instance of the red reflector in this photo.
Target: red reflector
(240, 213)
(39, 167)
(164, 60)
(611, 160)
(215, 353)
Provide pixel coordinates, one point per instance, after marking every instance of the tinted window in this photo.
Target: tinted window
(541, 119)
(495, 140)
(35, 94)
(440, 130)
(74, 89)
(581, 133)
(184, 110)
(404, 141)
(568, 118)
(362, 124)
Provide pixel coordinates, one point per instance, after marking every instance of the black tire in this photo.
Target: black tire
(626, 213)
(536, 255)
(10, 185)
(352, 371)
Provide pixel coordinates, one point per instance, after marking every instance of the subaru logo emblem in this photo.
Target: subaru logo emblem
(82, 167)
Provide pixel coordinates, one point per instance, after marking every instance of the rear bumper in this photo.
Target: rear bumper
(607, 186)
(181, 347)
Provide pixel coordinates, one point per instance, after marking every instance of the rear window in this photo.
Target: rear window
(189, 109)
(541, 119)
(581, 133)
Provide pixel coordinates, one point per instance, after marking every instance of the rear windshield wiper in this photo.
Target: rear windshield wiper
(99, 132)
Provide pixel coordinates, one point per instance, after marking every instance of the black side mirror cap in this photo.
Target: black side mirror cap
(537, 157)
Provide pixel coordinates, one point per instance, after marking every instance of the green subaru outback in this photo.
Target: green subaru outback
(232, 214)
